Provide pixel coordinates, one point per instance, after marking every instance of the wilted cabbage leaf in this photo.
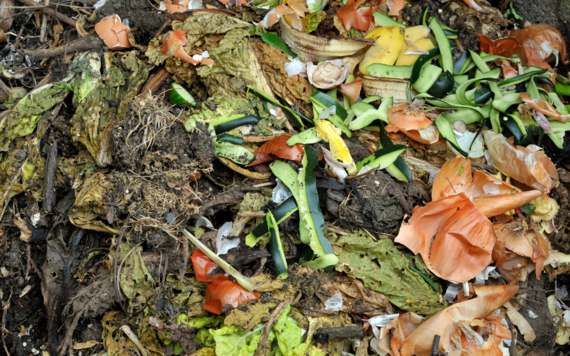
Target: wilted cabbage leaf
(22, 169)
(135, 279)
(107, 104)
(90, 204)
(386, 270)
(116, 342)
(25, 115)
(248, 315)
(185, 294)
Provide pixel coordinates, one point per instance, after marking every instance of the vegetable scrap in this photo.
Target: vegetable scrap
(284, 178)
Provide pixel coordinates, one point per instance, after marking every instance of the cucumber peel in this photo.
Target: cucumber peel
(309, 136)
(276, 248)
(382, 158)
(445, 129)
(280, 213)
(310, 211)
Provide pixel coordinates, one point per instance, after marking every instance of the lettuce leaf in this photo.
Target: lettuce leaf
(230, 341)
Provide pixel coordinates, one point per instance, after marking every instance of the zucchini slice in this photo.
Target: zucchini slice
(276, 248)
(384, 20)
(371, 115)
(230, 138)
(280, 213)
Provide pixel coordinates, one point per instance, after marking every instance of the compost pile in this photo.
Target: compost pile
(288, 178)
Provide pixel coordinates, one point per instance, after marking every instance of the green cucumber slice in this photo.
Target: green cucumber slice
(520, 78)
(309, 209)
(180, 96)
(442, 43)
(307, 137)
(382, 158)
(387, 71)
(276, 248)
(445, 129)
(371, 115)
(443, 85)
(371, 98)
(235, 153)
(384, 20)
(282, 212)
(422, 62)
(428, 77)
(399, 169)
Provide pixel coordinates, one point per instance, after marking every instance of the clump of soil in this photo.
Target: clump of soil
(386, 202)
(152, 140)
(145, 21)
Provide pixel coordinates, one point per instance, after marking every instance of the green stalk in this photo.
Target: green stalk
(240, 278)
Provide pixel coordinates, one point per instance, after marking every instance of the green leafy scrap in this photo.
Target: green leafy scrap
(231, 341)
(384, 269)
(95, 116)
(135, 280)
(272, 39)
(313, 21)
(25, 115)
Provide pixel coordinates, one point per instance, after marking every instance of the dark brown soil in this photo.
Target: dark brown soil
(386, 202)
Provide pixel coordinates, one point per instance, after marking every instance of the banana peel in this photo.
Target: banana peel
(388, 44)
(419, 35)
(331, 134)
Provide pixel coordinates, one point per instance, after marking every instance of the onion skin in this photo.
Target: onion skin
(409, 116)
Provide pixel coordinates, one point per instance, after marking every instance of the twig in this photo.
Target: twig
(4, 87)
(49, 176)
(127, 330)
(271, 320)
(451, 185)
(49, 11)
(4, 322)
(81, 44)
(44, 24)
(435, 347)
(117, 292)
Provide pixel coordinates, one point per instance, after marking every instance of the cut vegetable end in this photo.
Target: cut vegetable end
(180, 96)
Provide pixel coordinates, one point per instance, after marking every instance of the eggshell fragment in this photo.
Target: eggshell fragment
(113, 32)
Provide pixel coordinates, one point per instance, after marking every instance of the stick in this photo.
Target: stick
(49, 177)
(44, 24)
(81, 44)
(435, 347)
(341, 332)
(49, 11)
